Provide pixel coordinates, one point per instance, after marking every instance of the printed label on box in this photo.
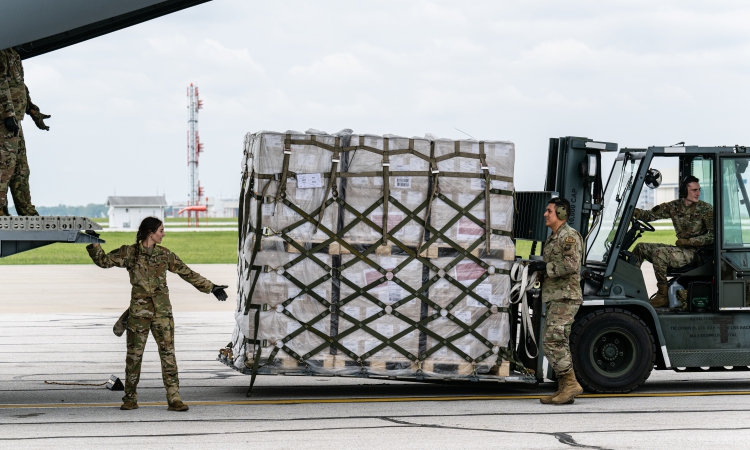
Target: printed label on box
(468, 271)
(467, 229)
(358, 181)
(463, 316)
(268, 209)
(309, 180)
(385, 329)
(493, 334)
(467, 165)
(403, 182)
(291, 327)
(371, 311)
(393, 219)
(353, 311)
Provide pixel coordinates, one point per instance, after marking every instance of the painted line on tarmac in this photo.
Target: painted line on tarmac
(371, 400)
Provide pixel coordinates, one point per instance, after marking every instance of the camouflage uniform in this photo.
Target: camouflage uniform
(14, 168)
(561, 291)
(150, 308)
(695, 223)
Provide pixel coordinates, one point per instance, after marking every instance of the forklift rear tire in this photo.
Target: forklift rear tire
(613, 351)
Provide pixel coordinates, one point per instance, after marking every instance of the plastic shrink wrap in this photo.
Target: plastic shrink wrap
(374, 255)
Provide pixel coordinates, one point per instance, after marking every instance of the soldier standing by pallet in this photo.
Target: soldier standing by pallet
(150, 308)
(14, 103)
(561, 291)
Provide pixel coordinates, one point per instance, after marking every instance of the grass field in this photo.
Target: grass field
(216, 247)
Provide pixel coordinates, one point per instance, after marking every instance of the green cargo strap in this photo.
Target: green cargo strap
(386, 189)
(256, 354)
(335, 158)
(487, 186)
(285, 168)
(434, 173)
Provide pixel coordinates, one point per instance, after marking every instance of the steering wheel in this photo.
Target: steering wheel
(641, 225)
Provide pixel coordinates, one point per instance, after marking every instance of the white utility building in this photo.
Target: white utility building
(126, 213)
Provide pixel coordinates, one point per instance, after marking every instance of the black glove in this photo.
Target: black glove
(219, 293)
(12, 125)
(537, 266)
(92, 233)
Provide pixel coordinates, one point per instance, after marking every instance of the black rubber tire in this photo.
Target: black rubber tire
(613, 351)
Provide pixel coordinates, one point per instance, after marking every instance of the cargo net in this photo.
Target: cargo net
(368, 255)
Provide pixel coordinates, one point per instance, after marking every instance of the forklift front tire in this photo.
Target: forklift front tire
(613, 351)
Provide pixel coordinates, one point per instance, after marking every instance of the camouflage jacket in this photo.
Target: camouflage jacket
(694, 223)
(14, 96)
(148, 273)
(563, 253)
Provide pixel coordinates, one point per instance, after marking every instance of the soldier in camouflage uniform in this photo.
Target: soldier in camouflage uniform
(15, 101)
(150, 308)
(561, 292)
(693, 221)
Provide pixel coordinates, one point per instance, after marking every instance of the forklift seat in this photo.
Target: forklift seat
(703, 256)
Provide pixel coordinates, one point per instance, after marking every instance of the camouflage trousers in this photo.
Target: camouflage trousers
(560, 316)
(142, 319)
(14, 174)
(663, 256)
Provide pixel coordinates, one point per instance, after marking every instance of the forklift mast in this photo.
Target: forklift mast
(574, 172)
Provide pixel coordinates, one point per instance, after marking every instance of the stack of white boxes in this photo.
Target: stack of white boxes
(358, 312)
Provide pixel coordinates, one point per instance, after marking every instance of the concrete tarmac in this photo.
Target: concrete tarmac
(672, 410)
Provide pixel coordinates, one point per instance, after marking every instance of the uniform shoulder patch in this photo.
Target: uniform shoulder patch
(570, 240)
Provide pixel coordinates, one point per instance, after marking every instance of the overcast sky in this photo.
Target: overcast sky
(634, 72)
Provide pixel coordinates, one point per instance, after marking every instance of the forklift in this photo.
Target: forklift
(618, 338)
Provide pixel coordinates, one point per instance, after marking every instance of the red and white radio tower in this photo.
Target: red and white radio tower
(194, 144)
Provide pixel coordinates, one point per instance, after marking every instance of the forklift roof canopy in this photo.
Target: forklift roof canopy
(41, 26)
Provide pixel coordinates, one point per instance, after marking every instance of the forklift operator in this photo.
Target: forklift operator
(693, 221)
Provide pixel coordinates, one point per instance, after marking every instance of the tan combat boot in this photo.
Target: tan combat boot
(127, 406)
(546, 400)
(177, 405)
(660, 299)
(570, 392)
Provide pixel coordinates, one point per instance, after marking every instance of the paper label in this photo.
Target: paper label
(499, 219)
(268, 209)
(353, 311)
(385, 329)
(393, 219)
(358, 181)
(463, 316)
(395, 293)
(468, 271)
(464, 348)
(371, 311)
(477, 184)
(467, 165)
(484, 290)
(493, 334)
(309, 180)
(370, 344)
(467, 229)
(465, 199)
(293, 292)
(322, 293)
(403, 182)
(291, 327)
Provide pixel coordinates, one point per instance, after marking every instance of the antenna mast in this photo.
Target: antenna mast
(194, 148)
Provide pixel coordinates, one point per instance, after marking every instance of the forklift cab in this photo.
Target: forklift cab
(718, 278)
